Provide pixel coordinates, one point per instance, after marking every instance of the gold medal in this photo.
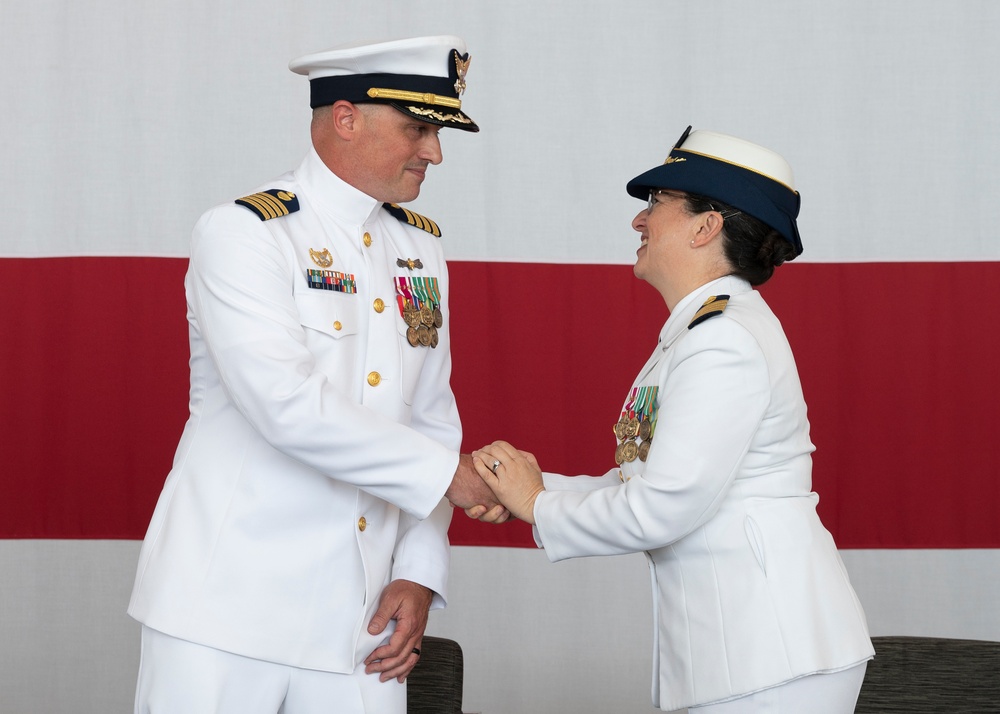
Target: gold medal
(410, 316)
(424, 335)
(632, 428)
(629, 451)
(618, 454)
(643, 450)
(426, 316)
(411, 336)
(645, 428)
(619, 428)
(438, 318)
(434, 336)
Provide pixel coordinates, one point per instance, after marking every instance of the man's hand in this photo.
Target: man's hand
(470, 493)
(497, 514)
(407, 603)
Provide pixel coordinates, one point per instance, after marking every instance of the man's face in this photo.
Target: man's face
(394, 151)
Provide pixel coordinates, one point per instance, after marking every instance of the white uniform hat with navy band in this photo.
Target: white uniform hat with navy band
(420, 76)
(746, 176)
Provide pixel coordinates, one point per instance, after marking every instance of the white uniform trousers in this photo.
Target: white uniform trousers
(826, 693)
(180, 677)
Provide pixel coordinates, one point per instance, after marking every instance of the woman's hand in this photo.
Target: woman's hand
(513, 475)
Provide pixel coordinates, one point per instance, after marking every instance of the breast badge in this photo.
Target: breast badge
(322, 259)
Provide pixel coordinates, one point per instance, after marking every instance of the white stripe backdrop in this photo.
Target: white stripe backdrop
(560, 639)
(123, 121)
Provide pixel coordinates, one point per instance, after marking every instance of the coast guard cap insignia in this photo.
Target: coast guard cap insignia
(272, 203)
(321, 258)
(712, 307)
(461, 68)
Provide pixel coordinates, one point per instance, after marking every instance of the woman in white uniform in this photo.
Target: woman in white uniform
(754, 611)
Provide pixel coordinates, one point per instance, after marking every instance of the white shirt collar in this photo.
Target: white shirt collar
(330, 194)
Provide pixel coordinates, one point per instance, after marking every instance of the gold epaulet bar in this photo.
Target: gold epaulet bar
(405, 215)
(272, 203)
(715, 305)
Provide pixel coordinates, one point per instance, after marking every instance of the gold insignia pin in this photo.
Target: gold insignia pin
(322, 259)
(674, 159)
(462, 68)
(410, 263)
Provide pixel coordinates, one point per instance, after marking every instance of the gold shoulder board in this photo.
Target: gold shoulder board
(711, 307)
(272, 203)
(414, 219)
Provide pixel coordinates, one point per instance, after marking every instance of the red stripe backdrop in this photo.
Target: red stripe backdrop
(897, 361)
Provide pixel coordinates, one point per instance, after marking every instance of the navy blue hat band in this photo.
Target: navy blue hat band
(438, 91)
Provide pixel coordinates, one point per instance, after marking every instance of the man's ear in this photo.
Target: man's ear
(345, 118)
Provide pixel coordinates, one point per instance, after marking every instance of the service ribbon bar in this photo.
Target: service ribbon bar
(645, 403)
(332, 280)
(404, 296)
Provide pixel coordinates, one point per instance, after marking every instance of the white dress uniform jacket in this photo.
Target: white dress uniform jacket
(320, 443)
(748, 587)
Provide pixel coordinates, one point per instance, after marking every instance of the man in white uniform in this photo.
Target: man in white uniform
(301, 536)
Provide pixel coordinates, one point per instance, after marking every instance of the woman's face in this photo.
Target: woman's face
(665, 230)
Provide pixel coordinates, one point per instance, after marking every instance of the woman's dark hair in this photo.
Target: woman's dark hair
(752, 247)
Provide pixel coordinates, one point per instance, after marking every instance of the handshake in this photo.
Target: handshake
(495, 483)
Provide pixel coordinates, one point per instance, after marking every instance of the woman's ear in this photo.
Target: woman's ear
(709, 226)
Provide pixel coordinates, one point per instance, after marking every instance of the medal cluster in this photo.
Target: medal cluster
(634, 429)
(419, 301)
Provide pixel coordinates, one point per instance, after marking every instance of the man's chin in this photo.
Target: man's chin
(407, 193)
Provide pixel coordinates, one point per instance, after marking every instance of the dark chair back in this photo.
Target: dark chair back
(931, 674)
(435, 684)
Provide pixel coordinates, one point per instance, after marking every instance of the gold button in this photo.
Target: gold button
(379, 305)
(374, 378)
(336, 325)
(362, 524)
(367, 239)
